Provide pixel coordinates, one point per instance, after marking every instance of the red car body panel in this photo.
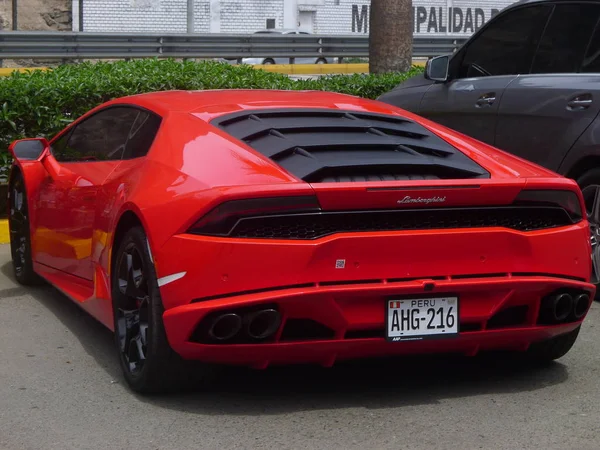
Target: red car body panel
(193, 166)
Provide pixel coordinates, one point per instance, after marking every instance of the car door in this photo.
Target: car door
(482, 70)
(543, 113)
(66, 208)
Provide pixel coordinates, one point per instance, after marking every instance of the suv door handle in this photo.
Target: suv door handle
(486, 100)
(580, 102)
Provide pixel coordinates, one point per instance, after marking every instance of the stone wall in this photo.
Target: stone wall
(37, 15)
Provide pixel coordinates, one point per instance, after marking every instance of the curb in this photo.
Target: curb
(287, 69)
(6, 71)
(313, 69)
(321, 69)
(4, 233)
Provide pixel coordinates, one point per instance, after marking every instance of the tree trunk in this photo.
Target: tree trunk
(390, 36)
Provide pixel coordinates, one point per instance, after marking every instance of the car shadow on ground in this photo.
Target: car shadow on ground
(372, 384)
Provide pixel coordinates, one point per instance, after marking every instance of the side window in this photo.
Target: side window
(141, 135)
(566, 37)
(101, 137)
(507, 44)
(591, 62)
(58, 147)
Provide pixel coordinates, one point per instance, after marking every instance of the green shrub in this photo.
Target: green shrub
(41, 103)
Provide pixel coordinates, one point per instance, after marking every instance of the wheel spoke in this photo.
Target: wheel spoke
(18, 218)
(124, 271)
(144, 334)
(136, 350)
(128, 325)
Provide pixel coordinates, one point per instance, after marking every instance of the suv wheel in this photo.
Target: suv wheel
(589, 183)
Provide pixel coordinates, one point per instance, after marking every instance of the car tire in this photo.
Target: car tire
(588, 183)
(148, 362)
(268, 61)
(20, 233)
(321, 61)
(555, 348)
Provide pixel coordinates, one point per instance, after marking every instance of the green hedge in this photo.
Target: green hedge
(40, 103)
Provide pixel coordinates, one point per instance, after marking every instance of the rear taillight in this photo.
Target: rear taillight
(221, 220)
(567, 200)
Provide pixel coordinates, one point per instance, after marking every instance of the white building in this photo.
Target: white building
(431, 17)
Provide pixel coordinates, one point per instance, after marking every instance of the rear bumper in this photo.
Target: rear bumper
(353, 316)
(206, 268)
(331, 293)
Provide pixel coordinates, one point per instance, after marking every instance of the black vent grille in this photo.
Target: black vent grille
(316, 225)
(326, 145)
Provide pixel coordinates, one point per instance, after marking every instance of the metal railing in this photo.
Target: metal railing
(76, 45)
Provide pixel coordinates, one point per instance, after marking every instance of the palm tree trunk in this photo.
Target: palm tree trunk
(390, 36)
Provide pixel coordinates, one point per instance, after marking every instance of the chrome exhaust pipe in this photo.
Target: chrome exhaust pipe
(225, 327)
(562, 307)
(581, 305)
(263, 324)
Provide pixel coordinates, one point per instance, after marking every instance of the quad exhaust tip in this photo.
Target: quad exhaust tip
(263, 324)
(562, 307)
(581, 305)
(225, 327)
(257, 325)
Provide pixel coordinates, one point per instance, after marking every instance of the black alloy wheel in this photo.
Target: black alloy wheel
(148, 362)
(132, 312)
(20, 237)
(591, 195)
(589, 183)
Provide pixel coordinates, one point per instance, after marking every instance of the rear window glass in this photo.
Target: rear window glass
(591, 62)
(506, 46)
(566, 38)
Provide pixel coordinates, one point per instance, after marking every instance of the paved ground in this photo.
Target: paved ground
(60, 388)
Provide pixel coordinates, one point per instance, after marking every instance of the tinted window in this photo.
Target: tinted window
(506, 46)
(58, 147)
(112, 134)
(591, 62)
(99, 138)
(141, 135)
(566, 38)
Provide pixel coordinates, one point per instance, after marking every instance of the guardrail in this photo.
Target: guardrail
(84, 45)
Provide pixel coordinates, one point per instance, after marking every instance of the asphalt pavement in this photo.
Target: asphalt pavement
(61, 388)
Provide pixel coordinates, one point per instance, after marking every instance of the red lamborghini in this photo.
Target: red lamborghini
(267, 227)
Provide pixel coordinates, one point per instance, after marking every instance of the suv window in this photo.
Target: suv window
(566, 37)
(111, 134)
(506, 45)
(591, 62)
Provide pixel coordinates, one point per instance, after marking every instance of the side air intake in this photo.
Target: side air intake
(320, 145)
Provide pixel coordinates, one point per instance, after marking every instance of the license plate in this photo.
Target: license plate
(421, 318)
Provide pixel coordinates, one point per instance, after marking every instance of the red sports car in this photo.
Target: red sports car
(272, 227)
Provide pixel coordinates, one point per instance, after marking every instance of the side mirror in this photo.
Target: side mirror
(35, 149)
(436, 68)
(29, 149)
